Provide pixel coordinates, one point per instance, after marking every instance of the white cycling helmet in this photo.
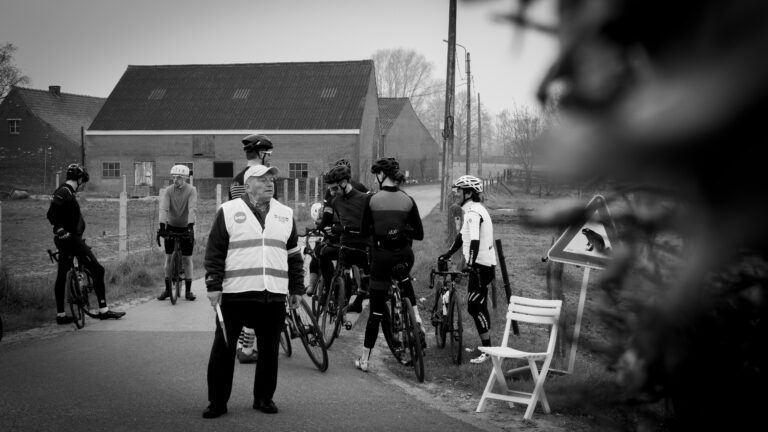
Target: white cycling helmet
(315, 210)
(181, 170)
(469, 182)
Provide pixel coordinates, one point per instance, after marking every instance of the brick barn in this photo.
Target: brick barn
(159, 116)
(404, 137)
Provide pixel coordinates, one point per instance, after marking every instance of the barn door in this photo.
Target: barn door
(143, 173)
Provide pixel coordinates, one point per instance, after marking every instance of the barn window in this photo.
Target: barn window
(157, 94)
(14, 126)
(110, 169)
(297, 170)
(223, 169)
(143, 173)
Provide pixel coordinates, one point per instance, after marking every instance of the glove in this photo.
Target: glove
(444, 257)
(61, 234)
(337, 229)
(161, 233)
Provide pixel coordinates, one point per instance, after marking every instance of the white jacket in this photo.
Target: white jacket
(477, 226)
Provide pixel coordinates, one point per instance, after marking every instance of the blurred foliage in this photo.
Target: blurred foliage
(667, 101)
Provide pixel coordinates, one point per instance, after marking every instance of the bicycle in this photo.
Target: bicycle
(79, 284)
(401, 330)
(334, 303)
(318, 287)
(301, 323)
(446, 313)
(177, 266)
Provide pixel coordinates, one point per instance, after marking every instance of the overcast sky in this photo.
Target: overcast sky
(85, 45)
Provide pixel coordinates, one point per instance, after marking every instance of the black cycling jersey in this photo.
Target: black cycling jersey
(393, 218)
(64, 211)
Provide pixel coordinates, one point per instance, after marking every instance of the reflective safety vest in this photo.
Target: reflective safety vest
(257, 259)
(476, 215)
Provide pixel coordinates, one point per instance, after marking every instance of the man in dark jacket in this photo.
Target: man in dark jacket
(68, 227)
(253, 264)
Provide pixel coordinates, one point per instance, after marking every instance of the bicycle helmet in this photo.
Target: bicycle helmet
(257, 143)
(469, 182)
(314, 211)
(337, 174)
(344, 162)
(388, 166)
(78, 173)
(181, 170)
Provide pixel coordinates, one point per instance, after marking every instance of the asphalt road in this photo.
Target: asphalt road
(147, 372)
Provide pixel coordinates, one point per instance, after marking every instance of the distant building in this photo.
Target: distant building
(42, 135)
(404, 137)
(158, 116)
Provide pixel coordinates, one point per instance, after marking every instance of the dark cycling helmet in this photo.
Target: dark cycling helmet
(257, 143)
(337, 174)
(344, 162)
(388, 166)
(77, 172)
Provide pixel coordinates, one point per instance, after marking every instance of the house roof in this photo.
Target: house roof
(258, 96)
(63, 111)
(389, 110)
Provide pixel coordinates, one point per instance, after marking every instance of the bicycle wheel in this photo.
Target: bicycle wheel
(310, 335)
(317, 295)
(455, 328)
(75, 300)
(175, 275)
(392, 332)
(438, 311)
(331, 311)
(413, 338)
(285, 340)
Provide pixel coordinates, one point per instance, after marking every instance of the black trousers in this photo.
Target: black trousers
(70, 248)
(267, 319)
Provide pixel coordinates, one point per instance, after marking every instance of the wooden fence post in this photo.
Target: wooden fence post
(122, 229)
(317, 188)
(295, 195)
(218, 196)
(307, 196)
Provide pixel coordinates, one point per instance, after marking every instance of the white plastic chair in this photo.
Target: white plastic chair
(521, 309)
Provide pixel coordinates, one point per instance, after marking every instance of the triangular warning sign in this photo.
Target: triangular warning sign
(588, 244)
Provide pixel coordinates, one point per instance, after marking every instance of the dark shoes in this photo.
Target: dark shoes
(190, 296)
(268, 407)
(214, 411)
(110, 314)
(63, 319)
(164, 295)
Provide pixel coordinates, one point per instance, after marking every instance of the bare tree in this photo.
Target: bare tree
(10, 75)
(404, 73)
(518, 130)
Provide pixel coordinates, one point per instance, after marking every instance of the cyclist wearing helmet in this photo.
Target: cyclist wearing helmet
(178, 213)
(392, 218)
(258, 151)
(347, 205)
(476, 241)
(68, 227)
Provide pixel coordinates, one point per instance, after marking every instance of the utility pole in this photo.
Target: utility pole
(469, 112)
(479, 140)
(450, 84)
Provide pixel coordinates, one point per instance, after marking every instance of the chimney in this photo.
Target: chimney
(56, 90)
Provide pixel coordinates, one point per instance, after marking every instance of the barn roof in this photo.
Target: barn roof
(389, 110)
(258, 96)
(63, 111)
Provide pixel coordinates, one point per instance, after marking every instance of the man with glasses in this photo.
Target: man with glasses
(178, 210)
(253, 265)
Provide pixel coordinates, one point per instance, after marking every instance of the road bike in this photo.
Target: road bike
(447, 310)
(301, 323)
(317, 289)
(79, 285)
(333, 304)
(401, 330)
(177, 264)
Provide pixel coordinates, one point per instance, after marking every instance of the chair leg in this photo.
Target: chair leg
(496, 376)
(538, 390)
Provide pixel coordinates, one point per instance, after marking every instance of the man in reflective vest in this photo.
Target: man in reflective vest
(253, 264)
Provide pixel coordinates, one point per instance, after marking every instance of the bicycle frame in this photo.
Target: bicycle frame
(79, 284)
(447, 311)
(177, 263)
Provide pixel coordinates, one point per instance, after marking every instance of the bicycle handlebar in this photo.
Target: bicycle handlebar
(53, 256)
